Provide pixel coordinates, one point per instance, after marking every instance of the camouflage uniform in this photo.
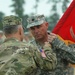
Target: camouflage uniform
(65, 54)
(18, 58)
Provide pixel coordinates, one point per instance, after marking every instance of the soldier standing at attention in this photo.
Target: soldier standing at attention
(18, 58)
(38, 26)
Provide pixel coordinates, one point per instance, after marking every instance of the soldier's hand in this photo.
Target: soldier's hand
(51, 37)
(47, 44)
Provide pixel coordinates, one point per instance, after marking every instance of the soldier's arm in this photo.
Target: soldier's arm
(47, 61)
(65, 51)
(20, 62)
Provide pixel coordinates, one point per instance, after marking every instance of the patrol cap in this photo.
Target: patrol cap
(35, 20)
(11, 20)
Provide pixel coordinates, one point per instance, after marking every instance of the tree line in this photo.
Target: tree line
(53, 17)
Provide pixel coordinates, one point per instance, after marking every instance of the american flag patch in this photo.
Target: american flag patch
(42, 53)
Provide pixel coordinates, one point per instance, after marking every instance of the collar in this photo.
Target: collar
(13, 39)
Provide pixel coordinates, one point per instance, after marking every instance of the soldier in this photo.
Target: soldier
(38, 26)
(18, 58)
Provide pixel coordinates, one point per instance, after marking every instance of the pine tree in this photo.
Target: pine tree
(19, 10)
(1, 17)
(18, 7)
(54, 15)
(65, 5)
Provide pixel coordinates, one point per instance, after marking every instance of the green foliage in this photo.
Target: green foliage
(1, 16)
(54, 14)
(64, 5)
(36, 6)
(25, 21)
(53, 20)
(56, 1)
(18, 7)
(19, 10)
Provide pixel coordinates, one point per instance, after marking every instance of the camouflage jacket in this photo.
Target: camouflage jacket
(65, 55)
(1, 41)
(18, 58)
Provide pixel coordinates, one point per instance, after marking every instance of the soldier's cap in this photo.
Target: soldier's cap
(35, 20)
(11, 20)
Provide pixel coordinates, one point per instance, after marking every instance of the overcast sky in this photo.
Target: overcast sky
(42, 9)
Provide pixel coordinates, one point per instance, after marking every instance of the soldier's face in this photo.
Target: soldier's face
(39, 31)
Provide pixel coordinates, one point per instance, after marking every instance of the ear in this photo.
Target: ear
(47, 24)
(20, 30)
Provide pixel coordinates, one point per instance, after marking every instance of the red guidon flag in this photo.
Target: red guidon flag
(66, 25)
